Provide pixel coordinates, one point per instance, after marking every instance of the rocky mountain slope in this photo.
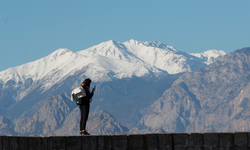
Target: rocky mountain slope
(60, 116)
(215, 98)
(6, 126)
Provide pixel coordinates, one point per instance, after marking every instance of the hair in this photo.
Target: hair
(86, 82)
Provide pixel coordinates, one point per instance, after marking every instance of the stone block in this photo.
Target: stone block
(235, 148)
(240, 139)
(226, 139)
(57, 143)
(165, 140)
(73, 142)
(151, 141)
(180, 148)
(119, 142)
(1, 143)
(165, 148)
(188, 148)
(180, 139)
(248, 135)
(13, 141)
(5, 143)
(104, 142)
(136, 142)
(195, 140)
(39, 143)
(89, 143)
(214, 148)
(211, 140)
(194, 148)
(19, 143)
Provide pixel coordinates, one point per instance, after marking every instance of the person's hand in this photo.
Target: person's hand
(93, 89)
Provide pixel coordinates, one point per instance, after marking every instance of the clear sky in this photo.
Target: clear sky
(30, 30)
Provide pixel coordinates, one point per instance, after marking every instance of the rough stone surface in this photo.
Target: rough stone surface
(1, 142)
(104, 142)
(180, 140)
(165, 141)
(168, 141)
(211, 140)
(57, 142)
(73, 142)
(89, 143)
(195, 140)
(38, 143)
(136, 142)
(151, 141)
(226, 140)
(120, 142)
(240, 139)
(19, 143)
(6, 143)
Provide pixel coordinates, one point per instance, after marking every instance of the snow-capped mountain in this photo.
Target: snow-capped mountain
(210, 56)
(183, 102)
(104, 62)
(154, 56)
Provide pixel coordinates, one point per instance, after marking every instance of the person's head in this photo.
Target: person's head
(86, 83)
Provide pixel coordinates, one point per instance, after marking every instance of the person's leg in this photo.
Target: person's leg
(81, 117)
(85, 115)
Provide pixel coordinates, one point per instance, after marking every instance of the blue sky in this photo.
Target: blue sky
(30, 30)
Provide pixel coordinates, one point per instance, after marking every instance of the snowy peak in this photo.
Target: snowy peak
(40, 68)
(116, 58)
(118, 49)
(61, 52)
(151, 54)
(214, 53)
(210, 55)
(59, 56)
(110, 60)
(107, 49)
(154, 44)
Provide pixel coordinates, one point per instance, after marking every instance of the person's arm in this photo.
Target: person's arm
(88, 94)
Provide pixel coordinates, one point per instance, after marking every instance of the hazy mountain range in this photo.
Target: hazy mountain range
(141, 87)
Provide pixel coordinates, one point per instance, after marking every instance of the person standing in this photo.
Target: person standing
(84, 107)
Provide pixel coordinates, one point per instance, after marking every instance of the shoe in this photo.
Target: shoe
(84, 132)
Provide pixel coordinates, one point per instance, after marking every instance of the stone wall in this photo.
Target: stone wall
(166, 141)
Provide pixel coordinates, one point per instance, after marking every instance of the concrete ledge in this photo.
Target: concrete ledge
(161, 141)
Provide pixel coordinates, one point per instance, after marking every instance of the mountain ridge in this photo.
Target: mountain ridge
(24, 86)
(129, 60)
(209, 100)
(214, 98)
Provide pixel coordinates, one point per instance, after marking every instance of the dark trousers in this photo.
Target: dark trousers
(84, 114)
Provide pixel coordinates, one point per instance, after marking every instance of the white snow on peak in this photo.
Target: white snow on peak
(110, 49)
(151, 44)
(56, 64)
(113, 57)
(214, 53)
(210, 55)
(107, 61)
(158, 55)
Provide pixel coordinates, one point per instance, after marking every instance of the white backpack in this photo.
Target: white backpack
(79, 91)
